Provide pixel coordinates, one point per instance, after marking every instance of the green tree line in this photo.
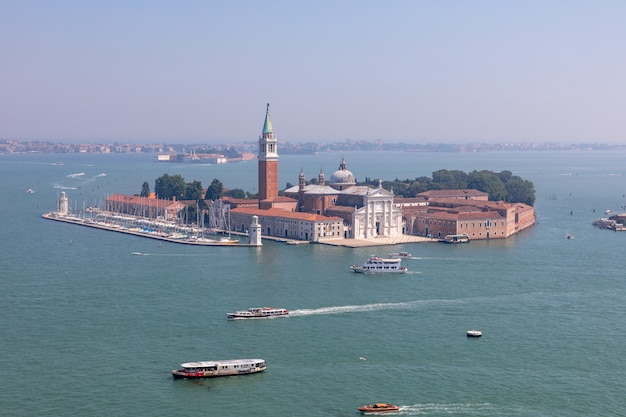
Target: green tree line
(499, 185)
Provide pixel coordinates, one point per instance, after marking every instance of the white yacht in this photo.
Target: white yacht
(376, 265)
(211, 369)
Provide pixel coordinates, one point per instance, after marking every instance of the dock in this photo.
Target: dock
(151, 235)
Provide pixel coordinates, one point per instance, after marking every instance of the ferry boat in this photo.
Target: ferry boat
(378, 408)
(376, 265)
(406, 255)
(464, 238)
(211, 369)
(258, 313)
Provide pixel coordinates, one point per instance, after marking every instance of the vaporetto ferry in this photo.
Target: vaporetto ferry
(211, 369)
(258, 313)
(376, 265)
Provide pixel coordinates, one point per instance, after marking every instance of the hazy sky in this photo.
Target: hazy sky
(400, 71)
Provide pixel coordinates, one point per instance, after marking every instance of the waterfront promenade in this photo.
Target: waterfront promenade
(377, 241)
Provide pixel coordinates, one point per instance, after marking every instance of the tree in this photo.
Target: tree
(235, 193)
(488, 182)
(505, 176)
(520, 191)
(450, 180)
(215, 190)
(170, 186)
(145, 189)
(193, 191)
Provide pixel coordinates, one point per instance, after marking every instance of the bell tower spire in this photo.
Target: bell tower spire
(268, 161)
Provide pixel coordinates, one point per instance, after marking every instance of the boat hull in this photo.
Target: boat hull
(361, 270)
(181, 374)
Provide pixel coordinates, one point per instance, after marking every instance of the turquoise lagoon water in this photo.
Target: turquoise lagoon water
(87, 329)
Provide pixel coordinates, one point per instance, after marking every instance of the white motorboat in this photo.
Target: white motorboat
(474, 333)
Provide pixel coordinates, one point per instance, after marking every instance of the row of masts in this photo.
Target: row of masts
(217, 213)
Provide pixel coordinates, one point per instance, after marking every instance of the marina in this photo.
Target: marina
(172, 237)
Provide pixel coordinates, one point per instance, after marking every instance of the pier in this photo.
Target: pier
(166, 237)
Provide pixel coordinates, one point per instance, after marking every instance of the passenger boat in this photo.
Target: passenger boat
(258, 313)
(376, 265)
(400, 255)
(211, 369)
(378, 408)
(474, 333)
(464, 238)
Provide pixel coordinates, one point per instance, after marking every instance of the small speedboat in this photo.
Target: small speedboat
(474, 333)
(138, 253)
(400, 255)
(378, 408)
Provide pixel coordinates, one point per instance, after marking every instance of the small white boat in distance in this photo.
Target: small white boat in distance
(474, 333)
(400, 255)
(138, 253)
(211, 369)
(376, 265)
(258, 313)
(463, 238)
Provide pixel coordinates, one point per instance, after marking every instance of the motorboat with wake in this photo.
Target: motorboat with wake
(378, 408)
(258, 313)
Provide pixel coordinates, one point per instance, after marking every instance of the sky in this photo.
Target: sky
(413, 71)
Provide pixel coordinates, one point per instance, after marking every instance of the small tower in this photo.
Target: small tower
(301, 180)
(254, 237)
(64, 204)
(268, 160)
(321, 178)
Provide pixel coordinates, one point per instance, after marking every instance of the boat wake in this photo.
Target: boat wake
(465, 409)
(76, 175)
(63, 187)
(361, 308)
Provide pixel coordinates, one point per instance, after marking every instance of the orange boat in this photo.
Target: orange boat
(378, 408)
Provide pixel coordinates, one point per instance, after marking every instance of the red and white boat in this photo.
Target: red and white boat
(378, 408)
(258, 313)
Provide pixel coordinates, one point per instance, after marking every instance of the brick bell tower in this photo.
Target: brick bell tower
(268, 163)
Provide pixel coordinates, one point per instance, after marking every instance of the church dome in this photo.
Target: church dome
(342, 178)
